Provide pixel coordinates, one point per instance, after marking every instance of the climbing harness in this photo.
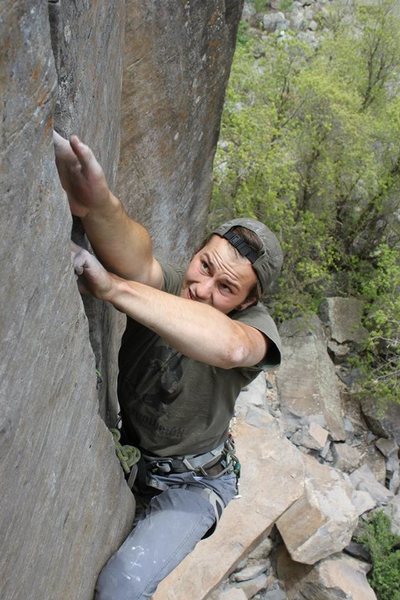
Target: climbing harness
(128, 456)
(212, 464)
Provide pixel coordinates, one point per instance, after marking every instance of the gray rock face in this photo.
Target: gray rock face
(175, 74)
(88, 49)
(65, 505)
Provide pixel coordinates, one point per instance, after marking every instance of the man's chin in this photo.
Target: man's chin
(185, 293)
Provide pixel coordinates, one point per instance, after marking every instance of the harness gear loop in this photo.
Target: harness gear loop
(232, 460)
(128, 455)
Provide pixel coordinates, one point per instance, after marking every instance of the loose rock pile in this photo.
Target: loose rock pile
(349, 470)
(302, 18)
(311, 470)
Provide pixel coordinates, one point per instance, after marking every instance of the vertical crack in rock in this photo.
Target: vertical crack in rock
(54, 11)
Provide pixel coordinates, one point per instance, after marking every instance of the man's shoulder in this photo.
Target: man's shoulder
(258, 316)
(256, 312)
(173, 276)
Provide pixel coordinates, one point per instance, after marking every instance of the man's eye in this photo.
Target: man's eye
(204, 265)
(225, 288)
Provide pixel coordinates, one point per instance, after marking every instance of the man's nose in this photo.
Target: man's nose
(204, 289)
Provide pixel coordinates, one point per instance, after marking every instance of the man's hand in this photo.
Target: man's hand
(81, 175)
(92, 276)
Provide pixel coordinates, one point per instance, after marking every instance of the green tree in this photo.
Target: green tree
(310, 145)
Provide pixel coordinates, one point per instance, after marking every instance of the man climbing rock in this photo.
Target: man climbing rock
(194, 338)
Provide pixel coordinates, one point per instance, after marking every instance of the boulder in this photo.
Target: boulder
(345, 457)
(251, 571)
(311, 436)
(252, 396)
(393, 511)
(383, 421)
(322, 521)
(275, 21)
(363, 501)
(339, 577)
(262, 550)
(387, 447)
(297, 20)
(390, 450)
(231, 594)
(376, 462)
(343, 318)
(306, 380)
(276, 593)
(364, 479)
(253, 586)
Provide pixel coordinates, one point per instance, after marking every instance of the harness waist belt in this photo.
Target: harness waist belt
(183, 464)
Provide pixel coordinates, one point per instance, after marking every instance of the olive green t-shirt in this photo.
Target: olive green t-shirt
(172, 405)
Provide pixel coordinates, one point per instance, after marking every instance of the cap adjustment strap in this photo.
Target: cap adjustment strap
(241, 246)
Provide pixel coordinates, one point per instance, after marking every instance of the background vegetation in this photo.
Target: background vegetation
(384, 549)
(310, 144)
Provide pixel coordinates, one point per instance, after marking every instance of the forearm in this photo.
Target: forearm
(123, 245)
(195, 329)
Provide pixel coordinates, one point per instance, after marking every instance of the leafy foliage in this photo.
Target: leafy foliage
(384, 548)
(381, 360)
(310, 145)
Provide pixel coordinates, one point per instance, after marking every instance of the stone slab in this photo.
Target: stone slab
(322, 520)
(306, 380)
(272, 480)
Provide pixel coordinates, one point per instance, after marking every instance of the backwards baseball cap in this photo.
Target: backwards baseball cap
(266, 262)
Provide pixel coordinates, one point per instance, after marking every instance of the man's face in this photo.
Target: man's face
(217, 275)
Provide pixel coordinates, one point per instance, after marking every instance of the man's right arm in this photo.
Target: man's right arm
(123, 246)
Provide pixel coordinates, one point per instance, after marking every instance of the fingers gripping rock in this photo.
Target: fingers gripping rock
(81, 176)
(92, 276)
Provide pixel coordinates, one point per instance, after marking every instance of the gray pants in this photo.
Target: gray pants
(166, 531)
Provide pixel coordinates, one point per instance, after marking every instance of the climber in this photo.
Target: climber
(193, 339)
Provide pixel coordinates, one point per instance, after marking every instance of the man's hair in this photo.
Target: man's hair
(254, 242)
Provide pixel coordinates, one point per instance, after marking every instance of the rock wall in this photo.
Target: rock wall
(177, 63)
(65, 506)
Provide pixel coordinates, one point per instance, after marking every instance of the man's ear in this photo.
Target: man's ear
(246, 304)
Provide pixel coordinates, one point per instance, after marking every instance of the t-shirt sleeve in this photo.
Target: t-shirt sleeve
(258, 317)
(173, 277)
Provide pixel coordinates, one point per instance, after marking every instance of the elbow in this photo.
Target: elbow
(235, 355)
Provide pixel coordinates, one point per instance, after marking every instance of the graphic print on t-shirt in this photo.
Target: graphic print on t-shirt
(155, 389)
(161, 379)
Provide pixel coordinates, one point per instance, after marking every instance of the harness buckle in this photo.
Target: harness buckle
(163, 465)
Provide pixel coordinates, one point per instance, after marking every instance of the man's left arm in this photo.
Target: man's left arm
(197, 330)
